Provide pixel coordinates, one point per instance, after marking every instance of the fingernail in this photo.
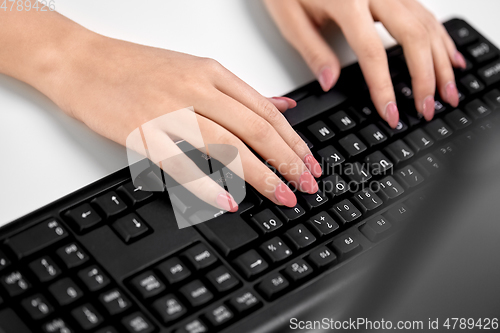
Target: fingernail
(307, 183)
(452, 94)
(459, 58)
(392, 114)
(291, 102)
(226, 202)
(285, 196)
(428, 109)
(313, 165)
(325, 78)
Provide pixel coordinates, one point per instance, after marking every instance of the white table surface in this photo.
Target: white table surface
(46, 155)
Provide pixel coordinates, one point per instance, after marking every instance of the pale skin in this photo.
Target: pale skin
(115, 86)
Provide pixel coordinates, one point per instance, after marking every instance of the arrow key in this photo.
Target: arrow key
(83, 217)
(251, 263)
(110, 203)
(135, 194)
(130, 227)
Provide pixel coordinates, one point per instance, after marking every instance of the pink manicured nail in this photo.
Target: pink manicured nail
(307, 183)
(313, 165)
(325, 78)
(285, 196)
(226, 202)
(452, 94)
(291, 102)
(459, 58)
(428, 109)
(392, 114)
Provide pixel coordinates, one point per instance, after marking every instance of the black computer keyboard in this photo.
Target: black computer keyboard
(110, 257)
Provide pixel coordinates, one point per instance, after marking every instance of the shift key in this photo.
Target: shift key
(36, 238)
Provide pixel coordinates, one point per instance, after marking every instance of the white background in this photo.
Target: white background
(46, 155)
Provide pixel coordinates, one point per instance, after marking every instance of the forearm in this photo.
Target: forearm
(39, 47)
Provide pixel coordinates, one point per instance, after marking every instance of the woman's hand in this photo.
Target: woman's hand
(429, 50)
(115, 87)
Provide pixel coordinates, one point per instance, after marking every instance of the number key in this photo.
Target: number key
(267, 221)
(346, 211)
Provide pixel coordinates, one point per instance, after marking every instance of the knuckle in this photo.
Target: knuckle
(260, 129)
(212, 65)
(374, 51)
(296, 143)
(269, 111)
(417, 33)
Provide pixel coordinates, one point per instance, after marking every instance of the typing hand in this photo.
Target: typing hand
(115, 87)
(429, 50)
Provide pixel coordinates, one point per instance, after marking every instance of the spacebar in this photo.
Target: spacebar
(314, 105)
(11, 323)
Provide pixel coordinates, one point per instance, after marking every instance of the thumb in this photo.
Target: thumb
(297, 27)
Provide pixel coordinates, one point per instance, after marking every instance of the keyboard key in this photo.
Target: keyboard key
(409, 176)
(273, 285)
(174, 270)
(219, 315)
(321, 131)
(169, 308)
(429, 164)
(438, 129)
(482, 52)
(57, 326)
(367, 200)
(352, 145)
(378, 163)
(404, 90)
(400, 128)
(298, 270)
(243, 301)
(200, 256)
(289, 214)
(419, 140)
(15, 283)
(93, 278)
(357, 173)
(65, 291)
(346, 246)
(266, 221)
(110, 203)
(313, 200)
(346, 211)
(222, 280)
(446, 151)
(323, 224)
(471, 84)
(398, 151)
(194, 326)
(36, 238)
(114, 302)
(372, 135)
(398, 213)
(228, 232)
(107, 329)
(83, 217)
(306, 140)
(148, 284)
(72, 255)
(342, 121)
(463, 36)
(490, 74)
(251, 263)
(196, 293)
(276, 250)
(130, 227)
(439, 107)
(457, 120)
(37, 306)
(493, 99)
(330, 156)
(334, 185)
(87, 316)
(477, 109)
(134, 194)
(45, 269)
(137, 323)
(376, 228)
(4, 261)
(300, 237)
(389, 188)
(11, 323)
(322, 257)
